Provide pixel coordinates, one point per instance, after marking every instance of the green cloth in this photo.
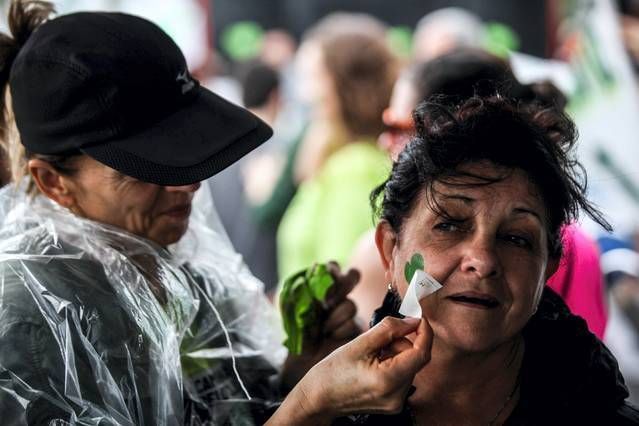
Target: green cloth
(330, 213)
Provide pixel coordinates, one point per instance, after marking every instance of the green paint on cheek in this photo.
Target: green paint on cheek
(416, 263)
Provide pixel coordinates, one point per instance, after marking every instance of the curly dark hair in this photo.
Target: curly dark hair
(508, 133)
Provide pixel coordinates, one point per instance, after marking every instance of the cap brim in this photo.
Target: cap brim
(194, 143)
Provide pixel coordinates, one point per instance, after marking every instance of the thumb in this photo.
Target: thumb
(384, 333)
(411, 360)
(396, 347)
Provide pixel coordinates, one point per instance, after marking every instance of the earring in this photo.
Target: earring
(390, 306)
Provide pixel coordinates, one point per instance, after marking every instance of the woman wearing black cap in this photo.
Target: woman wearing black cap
(101, 322)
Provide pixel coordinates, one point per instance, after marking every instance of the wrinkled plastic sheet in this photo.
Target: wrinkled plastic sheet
(99, 327)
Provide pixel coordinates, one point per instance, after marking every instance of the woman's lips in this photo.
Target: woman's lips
(181, 211)
(475, 300)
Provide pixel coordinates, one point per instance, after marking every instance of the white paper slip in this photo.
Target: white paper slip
(421, 285)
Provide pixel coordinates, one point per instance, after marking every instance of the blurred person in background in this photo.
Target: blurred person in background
(261, 91)
(245, 193)
(216, 76)
(277, 49)
(620, 263)
(350, 72)
(459, 75)
(446, 29)
(252, 195)
(629, 10)
(326, 130)
(593, 40)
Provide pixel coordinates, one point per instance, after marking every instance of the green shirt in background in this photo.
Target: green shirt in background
(330, 213)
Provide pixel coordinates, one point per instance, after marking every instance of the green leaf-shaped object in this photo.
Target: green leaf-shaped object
(301, 301)
(320, 282)
(416, 263)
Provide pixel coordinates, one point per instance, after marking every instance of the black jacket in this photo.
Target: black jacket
(568, 376)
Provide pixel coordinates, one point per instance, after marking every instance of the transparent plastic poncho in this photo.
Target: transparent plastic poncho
(100, 327)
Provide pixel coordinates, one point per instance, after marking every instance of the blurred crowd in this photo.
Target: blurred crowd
(341, 101)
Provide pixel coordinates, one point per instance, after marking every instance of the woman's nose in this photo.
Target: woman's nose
(480, 258)
(184, 188)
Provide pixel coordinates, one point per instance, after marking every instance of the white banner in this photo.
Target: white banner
(604, 102)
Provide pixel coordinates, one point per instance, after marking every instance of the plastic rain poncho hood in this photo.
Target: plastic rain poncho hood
(100, 327)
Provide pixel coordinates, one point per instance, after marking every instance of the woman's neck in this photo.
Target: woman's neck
(456, 388)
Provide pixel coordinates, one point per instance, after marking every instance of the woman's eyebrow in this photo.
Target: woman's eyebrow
(526, 211)
(457, 197)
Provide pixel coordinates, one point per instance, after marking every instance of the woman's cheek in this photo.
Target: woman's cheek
(440, 269)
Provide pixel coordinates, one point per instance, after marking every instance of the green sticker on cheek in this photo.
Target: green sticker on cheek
(416, 263)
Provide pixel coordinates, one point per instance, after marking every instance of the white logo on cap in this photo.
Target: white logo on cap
(185, 79)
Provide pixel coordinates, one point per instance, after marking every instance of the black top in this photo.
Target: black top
(568, 376)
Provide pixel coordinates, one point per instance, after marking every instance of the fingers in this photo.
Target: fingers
(343, 312)
(366, 383)
(346, 331)
(344, 283)
(333, 268)
(341, 325)
(384, 333)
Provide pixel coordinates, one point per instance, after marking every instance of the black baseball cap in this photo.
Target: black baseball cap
(117, 88)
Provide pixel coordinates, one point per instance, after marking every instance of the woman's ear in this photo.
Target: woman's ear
(386, 240)
(51, 183)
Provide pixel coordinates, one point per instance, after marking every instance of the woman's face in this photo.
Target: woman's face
(491, 258)
(158, 213)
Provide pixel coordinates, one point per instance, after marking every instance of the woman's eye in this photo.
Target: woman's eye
(518, 240)
(447, 227)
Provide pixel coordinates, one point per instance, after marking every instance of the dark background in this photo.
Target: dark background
(527, 18)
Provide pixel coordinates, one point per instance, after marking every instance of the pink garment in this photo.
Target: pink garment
(579, 280)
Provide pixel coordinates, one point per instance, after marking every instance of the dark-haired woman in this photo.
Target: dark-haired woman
(456, 76)
(118, 305)
(485, 215)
